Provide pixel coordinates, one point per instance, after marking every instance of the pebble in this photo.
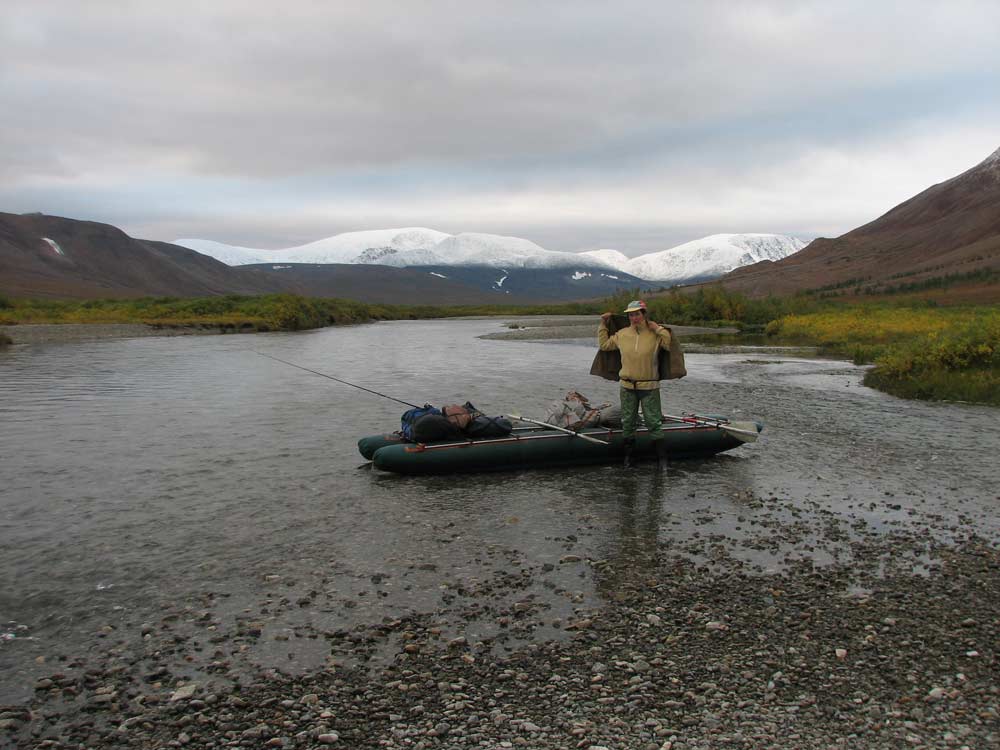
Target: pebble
(935, 694)
(184, 692)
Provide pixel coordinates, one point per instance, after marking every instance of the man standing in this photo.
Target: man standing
(639, 345)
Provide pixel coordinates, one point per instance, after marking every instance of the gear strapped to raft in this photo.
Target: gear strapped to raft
(428, 424)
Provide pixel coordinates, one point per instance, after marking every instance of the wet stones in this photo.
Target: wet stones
(183, 693)
(649, 666)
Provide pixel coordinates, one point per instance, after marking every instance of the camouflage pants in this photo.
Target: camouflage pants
(652, 412)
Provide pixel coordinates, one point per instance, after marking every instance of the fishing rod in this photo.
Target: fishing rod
(324, 375)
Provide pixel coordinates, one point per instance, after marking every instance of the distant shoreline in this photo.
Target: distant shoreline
(554, 327)
(55, 333)
(544, 328)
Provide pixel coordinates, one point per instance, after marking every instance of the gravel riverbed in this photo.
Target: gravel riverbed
(693, 649)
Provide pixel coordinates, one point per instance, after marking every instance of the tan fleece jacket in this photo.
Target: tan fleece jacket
(638, 350)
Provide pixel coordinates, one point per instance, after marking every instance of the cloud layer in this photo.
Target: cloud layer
(578, 125)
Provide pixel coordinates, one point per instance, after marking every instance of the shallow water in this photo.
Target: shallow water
(148, 476)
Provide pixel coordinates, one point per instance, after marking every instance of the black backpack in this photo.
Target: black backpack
(489, 427)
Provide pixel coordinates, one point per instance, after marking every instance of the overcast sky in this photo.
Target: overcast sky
(579, 125)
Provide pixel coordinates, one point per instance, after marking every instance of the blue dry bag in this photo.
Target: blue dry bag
(410, 418)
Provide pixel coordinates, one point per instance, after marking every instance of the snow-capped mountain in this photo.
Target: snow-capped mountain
(378, 246)
(404, 248)
(711, 256)
(373, 246)
(431, 250)
(231, 255)
(613, 258)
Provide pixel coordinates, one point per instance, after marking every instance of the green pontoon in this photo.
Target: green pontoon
(541, 447)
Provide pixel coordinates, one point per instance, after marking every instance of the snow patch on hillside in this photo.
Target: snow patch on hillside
(990, 164)
(54, 245)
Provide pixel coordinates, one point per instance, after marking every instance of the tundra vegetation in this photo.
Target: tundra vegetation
(936, 353)
(272, 312)
(919, 349)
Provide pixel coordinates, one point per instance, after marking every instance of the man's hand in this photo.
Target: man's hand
(606, 317)
(654, 327)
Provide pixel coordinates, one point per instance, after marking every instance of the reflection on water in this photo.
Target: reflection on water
(145, 474)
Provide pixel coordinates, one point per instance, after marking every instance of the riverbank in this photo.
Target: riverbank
(53, 333)
(932, 354)
(683, 656)
(524, 328)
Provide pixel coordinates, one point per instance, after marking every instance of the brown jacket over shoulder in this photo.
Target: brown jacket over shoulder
(608, 364)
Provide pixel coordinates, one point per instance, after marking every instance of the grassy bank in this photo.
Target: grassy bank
(269, 312)
(928, 353)
(715, 306)
(919, 351)
(273, 312)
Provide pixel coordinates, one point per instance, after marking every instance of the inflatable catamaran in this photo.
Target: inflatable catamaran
(540, 445)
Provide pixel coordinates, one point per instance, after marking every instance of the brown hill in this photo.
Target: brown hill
(58, 258)
(54, 257)
(952, 229)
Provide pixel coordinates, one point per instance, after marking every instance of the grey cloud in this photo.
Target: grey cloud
(350, 99)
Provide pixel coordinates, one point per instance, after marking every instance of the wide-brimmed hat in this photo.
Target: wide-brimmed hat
(636, 305)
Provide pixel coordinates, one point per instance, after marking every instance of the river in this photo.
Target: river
(191, 481)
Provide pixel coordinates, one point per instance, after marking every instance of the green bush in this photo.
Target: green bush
(973, 347)
(713, 305)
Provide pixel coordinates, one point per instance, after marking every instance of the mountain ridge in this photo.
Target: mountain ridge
(61, 258)
(707, 257)
(950, 228)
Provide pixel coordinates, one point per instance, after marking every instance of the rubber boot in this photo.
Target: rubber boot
(629, 445)
(661, 453)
